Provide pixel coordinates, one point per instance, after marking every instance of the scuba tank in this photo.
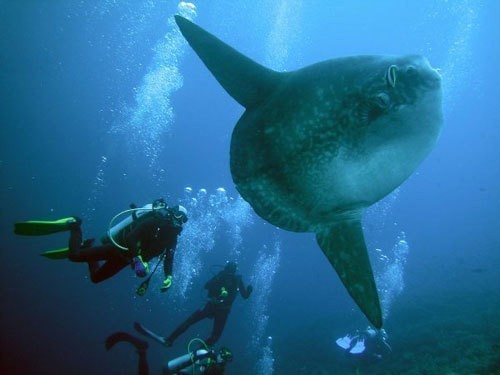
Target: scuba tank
(117, 232)
(185, 360)
(114, 231)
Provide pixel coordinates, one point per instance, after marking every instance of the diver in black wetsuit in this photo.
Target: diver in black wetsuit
(150, 231)
(201, 361)
(222, 291)
(148, 236)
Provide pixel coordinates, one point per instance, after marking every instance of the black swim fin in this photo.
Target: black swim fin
(43, 227)
(120, 336)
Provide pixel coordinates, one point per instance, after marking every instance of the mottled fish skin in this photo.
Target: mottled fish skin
(318, 145)
(324, 145)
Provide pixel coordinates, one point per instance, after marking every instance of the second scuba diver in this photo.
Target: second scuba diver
(222, 291)
(149, 232)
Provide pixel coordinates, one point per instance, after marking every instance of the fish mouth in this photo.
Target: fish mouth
(438, 72)
(433, 79)
(435, 74)
(430, 78)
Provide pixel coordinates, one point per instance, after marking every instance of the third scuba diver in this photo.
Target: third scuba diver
(203, 360)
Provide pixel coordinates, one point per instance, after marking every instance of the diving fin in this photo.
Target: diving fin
(43, 227)
(147, 332)
(62, 253)
(120, 336)
(359, 347)
(344, 342)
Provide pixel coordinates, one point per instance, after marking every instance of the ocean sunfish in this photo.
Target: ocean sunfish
(318, 145)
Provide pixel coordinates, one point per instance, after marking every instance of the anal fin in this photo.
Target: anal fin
(344, 245)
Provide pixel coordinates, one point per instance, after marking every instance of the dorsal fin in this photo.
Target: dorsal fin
(245, 80)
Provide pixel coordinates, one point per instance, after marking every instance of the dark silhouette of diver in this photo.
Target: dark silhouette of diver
(201, 361)
(222, 291)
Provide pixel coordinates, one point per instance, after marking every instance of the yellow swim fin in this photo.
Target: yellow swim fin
(43, 227)
(61, 253)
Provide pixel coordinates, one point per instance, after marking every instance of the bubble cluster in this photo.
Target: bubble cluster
(458, 69)
(209, 214)
(152, 114)
(262, 279)
(387, 264)
(265, 364)
(390, 281)
(187, 9)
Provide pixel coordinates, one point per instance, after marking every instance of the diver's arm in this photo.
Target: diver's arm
(168, 261)
(245, 292)
(170, 245)
(168, 264)
(169, 242)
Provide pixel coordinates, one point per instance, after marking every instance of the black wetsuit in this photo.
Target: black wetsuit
(149, 237)
(218, 307)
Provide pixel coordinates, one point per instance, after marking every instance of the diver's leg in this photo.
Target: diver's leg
(220, 318)
(104, 252)
(75, 243)
(93, 267)
(193, 318)
(77, 253)
(143, 363)
(107, 270)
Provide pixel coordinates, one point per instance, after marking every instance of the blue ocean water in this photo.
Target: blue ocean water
(104, 104)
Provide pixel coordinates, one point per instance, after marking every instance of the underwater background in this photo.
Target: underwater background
(103, 103)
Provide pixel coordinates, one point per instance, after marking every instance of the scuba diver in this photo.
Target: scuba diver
(148, 232)
(368, 344)
(222, 291)
(201, 361)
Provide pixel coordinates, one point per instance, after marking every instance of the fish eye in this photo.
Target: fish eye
(390, 76)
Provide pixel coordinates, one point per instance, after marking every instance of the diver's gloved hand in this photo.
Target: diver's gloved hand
(140, 267)
(167, 283)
